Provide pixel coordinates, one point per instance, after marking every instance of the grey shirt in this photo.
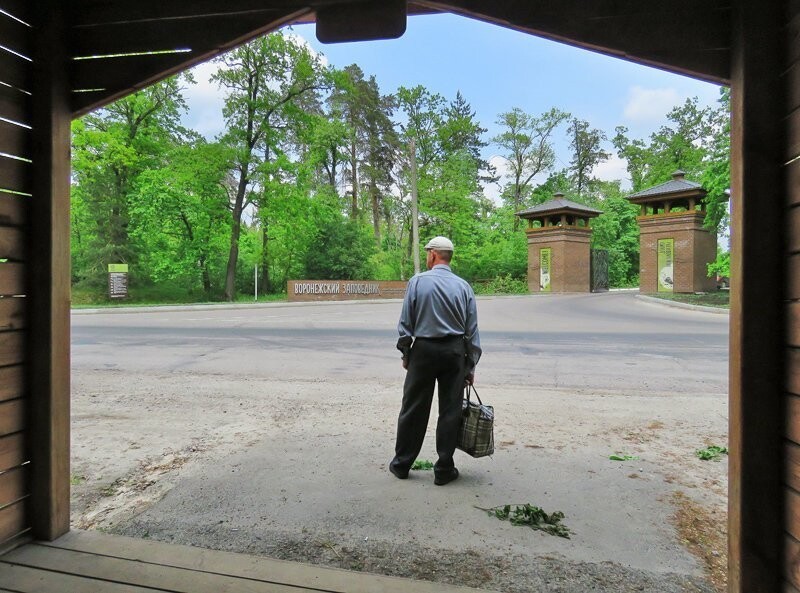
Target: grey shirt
(439, 304)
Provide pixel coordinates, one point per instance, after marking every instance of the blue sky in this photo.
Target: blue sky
(497, 69)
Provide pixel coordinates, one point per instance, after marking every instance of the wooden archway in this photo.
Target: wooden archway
(59, 60)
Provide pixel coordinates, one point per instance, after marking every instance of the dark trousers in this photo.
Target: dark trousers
(430, 361)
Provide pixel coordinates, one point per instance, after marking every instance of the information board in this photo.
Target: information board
(118, 281)
(666, 270)
(545, 262)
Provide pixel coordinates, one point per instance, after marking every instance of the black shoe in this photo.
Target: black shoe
(398, 474)
(442, 479)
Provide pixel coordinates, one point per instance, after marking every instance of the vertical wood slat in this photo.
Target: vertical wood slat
(793, 276)
(13, 209)
(15, 35)
(21, 9)
(12, 314)
(15, 105)
(12, 385)
(13, 520)
(12, 416)
(48, 277)
(15, 71)
(15, 175)
(793, 183)
(15, 140)
(13, 486)
(793, 85)
(12, 347)
(12, 451)
(792, 122)
(792, 475)
(793, 327)
(757, 380)
(12, 279)
(792, 404)
(791, 560)
(793, 220)
(12, 243)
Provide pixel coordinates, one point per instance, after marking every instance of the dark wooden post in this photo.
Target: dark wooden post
(48, 284)
(757, 298)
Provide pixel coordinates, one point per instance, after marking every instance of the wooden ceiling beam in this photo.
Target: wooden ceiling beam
(21, 9)
(143, 36)
(690, 37)
(113, 78)
(103, 12)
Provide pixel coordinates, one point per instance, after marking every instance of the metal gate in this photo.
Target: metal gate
(599, 270)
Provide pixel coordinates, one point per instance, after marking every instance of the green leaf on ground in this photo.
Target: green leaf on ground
(712, 452)
(531, 516)
(619, 457)
(422, 464)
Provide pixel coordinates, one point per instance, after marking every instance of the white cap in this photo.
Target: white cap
(439, 244)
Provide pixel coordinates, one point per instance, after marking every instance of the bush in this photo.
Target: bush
(505, 284)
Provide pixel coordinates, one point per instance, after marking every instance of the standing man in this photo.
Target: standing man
(440, 318)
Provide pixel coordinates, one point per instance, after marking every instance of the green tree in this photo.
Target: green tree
(264, 81)
(110, 148)
(528, 145)
(617, 231)
(343, 250)
(181, 216)
(587, 153)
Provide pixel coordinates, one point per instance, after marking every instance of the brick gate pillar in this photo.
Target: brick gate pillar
(674, 247)
(559, 238)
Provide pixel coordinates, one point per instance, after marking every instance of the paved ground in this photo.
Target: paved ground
(268, 430)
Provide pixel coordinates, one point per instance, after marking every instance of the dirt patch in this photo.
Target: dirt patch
(227, 476)
(704, 531)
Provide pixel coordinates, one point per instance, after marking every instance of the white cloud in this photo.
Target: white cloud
(303, 42)
(650, 105)
(205, 101)
(492, 190)
(613, 169)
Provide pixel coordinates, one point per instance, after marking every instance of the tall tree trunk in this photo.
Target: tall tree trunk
(414, 208)
(354, 180)
(265, 279)
(517, 200)
(376, 212)
(205, 275)
(236, 229)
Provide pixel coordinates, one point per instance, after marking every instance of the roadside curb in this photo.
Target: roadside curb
(679, 305)
(220, 306)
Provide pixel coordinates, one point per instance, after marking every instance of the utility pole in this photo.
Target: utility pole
(414, 207)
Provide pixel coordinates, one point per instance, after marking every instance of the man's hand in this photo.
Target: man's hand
(405, 363)
(469, 379)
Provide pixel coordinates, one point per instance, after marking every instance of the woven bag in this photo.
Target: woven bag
(476, 434)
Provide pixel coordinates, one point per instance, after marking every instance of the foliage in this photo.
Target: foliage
(622, 457)
(617, 231)
(502, 285)
(312, 178)
(721, 266)
(342, 250)
(422, 464)
(711, 453)
(696, 141)
(527, 142)
(531, 516)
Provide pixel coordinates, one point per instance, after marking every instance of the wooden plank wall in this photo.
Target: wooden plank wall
(758, 317)
(15, 195)
(791, 75)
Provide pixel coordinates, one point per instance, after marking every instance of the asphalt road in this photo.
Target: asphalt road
(267, 429)
(611, 341)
